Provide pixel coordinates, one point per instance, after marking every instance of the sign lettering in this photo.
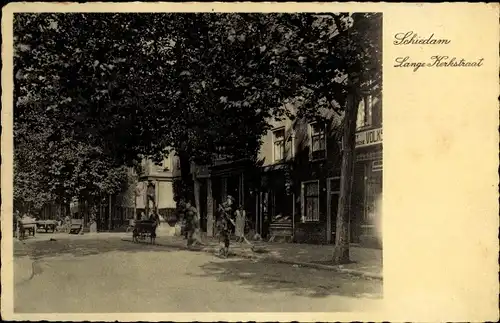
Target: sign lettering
(369, 137)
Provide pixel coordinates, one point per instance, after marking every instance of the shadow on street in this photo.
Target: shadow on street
(270, 277)
(81, 248)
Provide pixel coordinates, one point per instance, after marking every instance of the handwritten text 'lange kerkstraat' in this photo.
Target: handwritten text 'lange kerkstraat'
(437, 61)
(412, 38)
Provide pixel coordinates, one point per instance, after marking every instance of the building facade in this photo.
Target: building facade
(301, 179)
(295, 188)
(368, 170)
(155, 190)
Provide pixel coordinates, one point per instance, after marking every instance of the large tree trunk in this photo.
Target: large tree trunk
(187, 191)
(196, 192)
(342, 238)
(110, 219)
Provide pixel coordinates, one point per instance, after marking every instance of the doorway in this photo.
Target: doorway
(333, 191)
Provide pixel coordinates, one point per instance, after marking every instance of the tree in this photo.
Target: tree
(145, 86)
(338, 57)
(51, 163)
(201, 84)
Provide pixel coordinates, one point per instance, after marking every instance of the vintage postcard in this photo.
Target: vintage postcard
(250, 161)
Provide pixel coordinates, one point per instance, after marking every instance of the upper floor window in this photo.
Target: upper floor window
(365, 112)
(278, 145)
(318, 141)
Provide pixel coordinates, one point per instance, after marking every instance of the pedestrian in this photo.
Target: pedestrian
(181, 216)
(192, 225)
(66, 223)
(226, 224)
(17, 220)
(240, 220)
(155, 217)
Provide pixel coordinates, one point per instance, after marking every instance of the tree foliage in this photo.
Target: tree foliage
(103, 90)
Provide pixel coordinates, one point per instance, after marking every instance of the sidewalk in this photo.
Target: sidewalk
(366, 262)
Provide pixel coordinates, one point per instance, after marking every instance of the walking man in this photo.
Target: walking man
(226, 223)
(192, 225)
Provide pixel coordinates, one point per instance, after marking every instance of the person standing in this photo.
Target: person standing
(67, 223)
(192, 225)
(240, 224)
(181, 217)
(226, 224)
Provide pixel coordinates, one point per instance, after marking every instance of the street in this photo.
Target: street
(97, 275)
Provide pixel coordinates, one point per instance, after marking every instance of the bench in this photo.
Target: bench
(76, 226)
(47, 225)
(144, 229)
(27, 225)
(281, 229)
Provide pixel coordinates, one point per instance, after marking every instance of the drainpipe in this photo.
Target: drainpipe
(109, 218)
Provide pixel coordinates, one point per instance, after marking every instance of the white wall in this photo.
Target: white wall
(165, 193)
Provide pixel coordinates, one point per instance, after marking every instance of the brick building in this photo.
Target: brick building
(296, 185)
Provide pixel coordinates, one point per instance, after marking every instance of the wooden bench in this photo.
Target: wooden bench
(281, 229)
(76, 226)
(47, 225)
(27, 225)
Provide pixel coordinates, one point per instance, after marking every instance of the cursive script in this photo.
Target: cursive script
(437, 61)
(412, 38)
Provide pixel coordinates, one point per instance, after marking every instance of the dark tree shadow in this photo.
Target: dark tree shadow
(271, 277)
(81, 247)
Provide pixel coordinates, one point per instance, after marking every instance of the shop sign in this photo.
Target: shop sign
(369, 156)
(377, 166)
(369, 137)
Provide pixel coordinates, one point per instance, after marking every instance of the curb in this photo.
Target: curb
(211, 249)
(359, 273)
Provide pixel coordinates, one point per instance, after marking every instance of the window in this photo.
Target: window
(166, 164)
(310, 192)
(365, 112)
(278, 145)
(334, 184)
(318, 141)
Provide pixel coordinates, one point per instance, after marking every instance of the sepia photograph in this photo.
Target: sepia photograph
(226, 162)
(197, 162)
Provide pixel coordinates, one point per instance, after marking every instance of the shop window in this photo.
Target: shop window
(310, 198)
(318, 141)
(278, 145)
(365, 113)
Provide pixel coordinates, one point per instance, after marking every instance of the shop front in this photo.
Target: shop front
(367, 189)
(275, 204)
(235, 179)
